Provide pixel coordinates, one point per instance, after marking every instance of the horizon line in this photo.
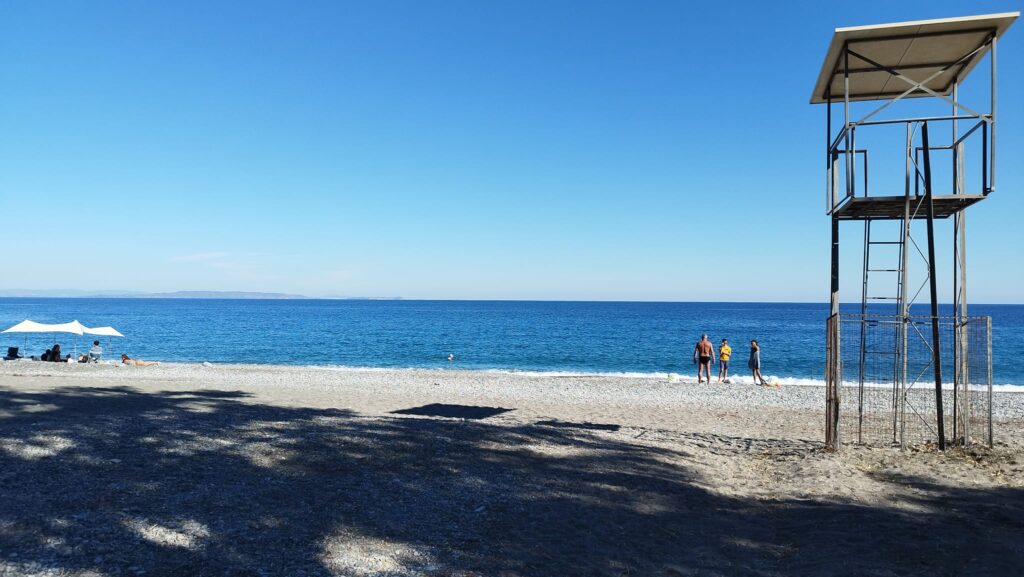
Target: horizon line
(297, 297)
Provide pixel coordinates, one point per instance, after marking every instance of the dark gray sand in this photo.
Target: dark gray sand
(289, 471)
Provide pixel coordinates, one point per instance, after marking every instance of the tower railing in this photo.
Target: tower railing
(848, 168)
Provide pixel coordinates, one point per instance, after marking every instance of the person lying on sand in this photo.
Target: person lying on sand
(125, 359)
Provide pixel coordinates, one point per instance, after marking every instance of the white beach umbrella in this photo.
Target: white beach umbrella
(26, 326)
(103, 331)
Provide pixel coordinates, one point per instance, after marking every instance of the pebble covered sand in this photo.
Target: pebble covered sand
(616, 391)
(266, 470)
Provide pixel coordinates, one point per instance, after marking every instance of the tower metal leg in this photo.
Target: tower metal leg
(933, 287)
(833, 363)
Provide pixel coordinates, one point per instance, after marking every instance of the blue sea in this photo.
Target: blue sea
(557, 337)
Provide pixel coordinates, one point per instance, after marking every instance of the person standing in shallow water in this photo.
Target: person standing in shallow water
(704, 354)
(755, 362)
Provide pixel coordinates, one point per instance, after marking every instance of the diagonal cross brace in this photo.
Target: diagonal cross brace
(914, 85)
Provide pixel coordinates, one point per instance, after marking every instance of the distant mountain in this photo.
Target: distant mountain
(135, 295)
(217, 295)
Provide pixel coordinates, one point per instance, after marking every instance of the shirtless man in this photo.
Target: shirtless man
(704, 354)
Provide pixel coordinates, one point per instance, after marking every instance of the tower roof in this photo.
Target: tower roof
(915, 49)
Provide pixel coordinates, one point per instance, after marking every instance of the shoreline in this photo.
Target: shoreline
(742, 378)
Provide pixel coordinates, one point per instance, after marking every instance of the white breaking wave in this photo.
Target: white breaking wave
(663, 376)
(578, 374)
(800, 382)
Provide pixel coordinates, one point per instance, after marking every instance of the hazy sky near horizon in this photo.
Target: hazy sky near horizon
(451, 149)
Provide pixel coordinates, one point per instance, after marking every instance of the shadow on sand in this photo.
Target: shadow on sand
(119, 481)
(473, 412)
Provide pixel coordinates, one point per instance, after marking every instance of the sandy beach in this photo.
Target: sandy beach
(271, 470)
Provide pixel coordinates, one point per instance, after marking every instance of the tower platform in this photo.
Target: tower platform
(893, 207)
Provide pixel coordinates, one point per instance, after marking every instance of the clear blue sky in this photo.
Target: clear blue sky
(507, 150)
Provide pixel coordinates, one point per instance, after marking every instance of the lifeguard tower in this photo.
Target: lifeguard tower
(900, 371)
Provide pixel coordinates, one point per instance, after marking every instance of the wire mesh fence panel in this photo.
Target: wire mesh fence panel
(920, 406)
(868, 400)
(886, 370)
(978, 339)
(833, 379)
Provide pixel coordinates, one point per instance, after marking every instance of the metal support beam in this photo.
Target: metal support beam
(832, 363)
(900, 384)
(960, 409)
(830, 197)
(958, 329)
(846, 121)
(928, 118)
(992, 133)
(933, 287)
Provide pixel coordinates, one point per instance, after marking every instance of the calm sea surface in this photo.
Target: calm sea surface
(603, 337)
